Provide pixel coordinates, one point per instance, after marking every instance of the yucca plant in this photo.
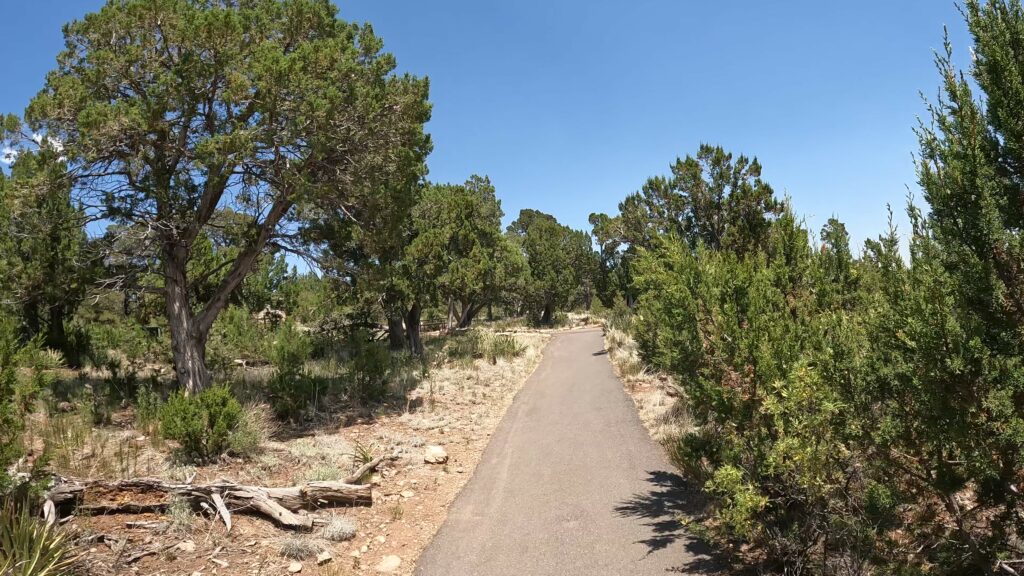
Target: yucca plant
(29, 547)
(504, 346)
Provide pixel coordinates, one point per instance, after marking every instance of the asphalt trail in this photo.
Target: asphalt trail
(570, 484)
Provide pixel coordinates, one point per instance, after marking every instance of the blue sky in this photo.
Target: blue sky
(570, 105)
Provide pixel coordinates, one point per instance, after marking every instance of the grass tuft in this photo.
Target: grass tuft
(300, 548)
(340, 529)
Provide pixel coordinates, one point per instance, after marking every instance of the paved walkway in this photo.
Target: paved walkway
(570, 484)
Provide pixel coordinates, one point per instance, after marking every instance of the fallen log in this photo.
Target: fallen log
(154, 495)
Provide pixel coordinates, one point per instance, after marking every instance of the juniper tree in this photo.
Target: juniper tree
(171, 110)
(50, 263)
(561, 261)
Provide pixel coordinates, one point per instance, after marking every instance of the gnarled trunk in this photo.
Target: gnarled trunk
(469, 312)
(188, 339)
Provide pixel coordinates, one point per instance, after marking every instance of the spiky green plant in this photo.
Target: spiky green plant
(29, 547)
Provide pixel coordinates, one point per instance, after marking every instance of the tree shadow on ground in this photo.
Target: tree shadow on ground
(669, 499)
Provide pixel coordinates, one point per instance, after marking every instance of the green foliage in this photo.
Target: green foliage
(48, 259)
(504, 347)
(619, 317)
(203, 423)
(236, 335)
(459, 251)
(28, 547)
(858, 415)
(291, 389)
(468, 345)
(148, 404)
(271, 285)
(562, 265)
(367, 369)
(287, 76)
(24, 374)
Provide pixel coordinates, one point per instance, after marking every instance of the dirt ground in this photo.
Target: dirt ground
(457, 408)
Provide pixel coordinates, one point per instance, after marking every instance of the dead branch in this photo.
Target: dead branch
(284, 506)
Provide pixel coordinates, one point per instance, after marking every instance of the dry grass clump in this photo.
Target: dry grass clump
(340, 529)
(300, 548)
(255, 428)
(78, 449)
(180, 517)
(323, 473)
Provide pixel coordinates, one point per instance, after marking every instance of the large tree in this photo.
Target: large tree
(561, 262)
(712, 199)
(172, 110)
(460, 248)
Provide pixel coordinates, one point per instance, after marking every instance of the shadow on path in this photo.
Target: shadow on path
(669, 498)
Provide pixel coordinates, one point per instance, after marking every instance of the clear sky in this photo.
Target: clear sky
(569, 105)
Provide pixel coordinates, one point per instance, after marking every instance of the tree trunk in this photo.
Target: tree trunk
(396, 332)
(30, 315)
(490, 312)
(451, 315)
(412, 329)
(56, 335)
(396, 329)
(188, 340)
(469, 312)
(549, 313)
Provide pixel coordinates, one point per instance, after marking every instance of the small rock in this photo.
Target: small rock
(219, 562)
(364, 549)
(435, 455)
(197, 573)
(66, 407)
(323, 558)
(187, 546)
(381, 539)
(355, 554)
(295, 567)
(389, 564)
(408, 493)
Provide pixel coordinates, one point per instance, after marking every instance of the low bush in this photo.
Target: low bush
(237, 335)
(368, 369)
(300, 548)
(406, 372)
(290, 389)
(466, 346)
(147, 405)
(24, 373)
(619, 317)
(203, 423)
